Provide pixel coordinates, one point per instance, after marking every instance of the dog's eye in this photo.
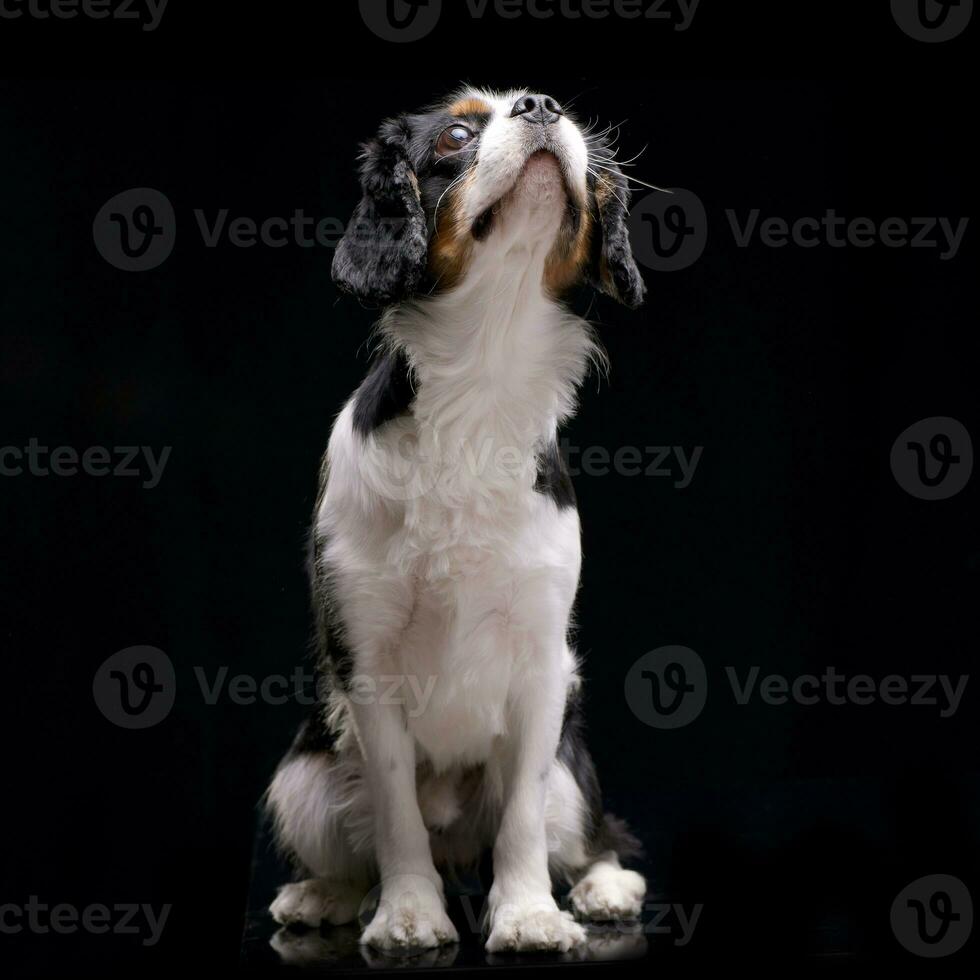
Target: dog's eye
(452, 139)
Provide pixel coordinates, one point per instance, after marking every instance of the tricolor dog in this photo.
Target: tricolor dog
(445, 548)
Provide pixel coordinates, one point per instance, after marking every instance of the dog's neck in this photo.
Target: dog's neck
(496, 354)
(496, 363)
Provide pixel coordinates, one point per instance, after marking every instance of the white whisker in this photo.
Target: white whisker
(635, 180)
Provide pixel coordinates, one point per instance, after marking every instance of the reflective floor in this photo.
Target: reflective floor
(270, 948)
(672, 934)
(339, 948)
(798, 874)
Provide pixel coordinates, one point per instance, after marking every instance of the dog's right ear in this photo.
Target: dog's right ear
(614, 270)
(383, 254)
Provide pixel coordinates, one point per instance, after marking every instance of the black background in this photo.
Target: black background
(793, 549)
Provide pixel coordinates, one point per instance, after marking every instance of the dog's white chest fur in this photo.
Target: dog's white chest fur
(475, 632)
(469, 566)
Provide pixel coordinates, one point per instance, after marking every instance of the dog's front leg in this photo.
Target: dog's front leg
(523, 912)
(411, 909)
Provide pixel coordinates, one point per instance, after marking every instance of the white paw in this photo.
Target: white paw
(608, 892)
(316, 900)
(409, 916)
(533, 926)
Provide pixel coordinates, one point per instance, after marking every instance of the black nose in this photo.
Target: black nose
(538, 109)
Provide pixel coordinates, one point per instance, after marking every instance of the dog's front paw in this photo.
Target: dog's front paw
(410, 915)
(533, 926)
(609, 893)
(316, 900)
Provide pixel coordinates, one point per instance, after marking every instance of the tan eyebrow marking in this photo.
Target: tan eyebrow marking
(471, 107)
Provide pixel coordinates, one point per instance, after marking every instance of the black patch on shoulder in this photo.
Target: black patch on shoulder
(553, 477)
(384, 394)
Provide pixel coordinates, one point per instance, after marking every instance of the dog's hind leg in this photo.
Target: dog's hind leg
(322, 821)
(585, 844)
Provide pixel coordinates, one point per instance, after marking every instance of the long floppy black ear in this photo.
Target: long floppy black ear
(382, 256)
(613, 269)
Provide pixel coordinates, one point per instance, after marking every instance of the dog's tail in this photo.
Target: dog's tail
(614, 835)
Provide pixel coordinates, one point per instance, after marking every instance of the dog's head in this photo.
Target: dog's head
(479, 171)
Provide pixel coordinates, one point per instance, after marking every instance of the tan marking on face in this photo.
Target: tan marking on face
(471, 106)
(604, 190)
(451, 246)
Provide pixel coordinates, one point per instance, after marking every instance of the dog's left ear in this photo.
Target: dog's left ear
(382, 256)
(613, 269)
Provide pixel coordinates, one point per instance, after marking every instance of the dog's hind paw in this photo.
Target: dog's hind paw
(316, 900)
(608, 892)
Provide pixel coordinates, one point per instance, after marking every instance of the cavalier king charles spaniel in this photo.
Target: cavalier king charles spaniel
(445, 547)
